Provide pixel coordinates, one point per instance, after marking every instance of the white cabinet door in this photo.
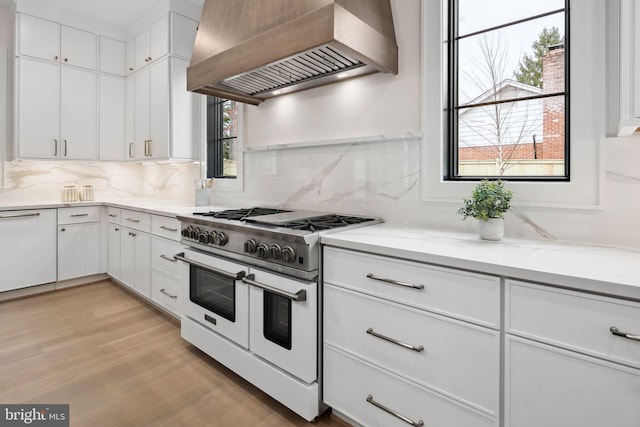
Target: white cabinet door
(113, 259)
(78, 250)
(130, 64)
(142, 268)
(636, 57)
(141, 49)
(129, 119)
(112, 56)
(78, 118)
(38, 37)
(159, 110)
(183, 36)
(112, 117)
(27, 248)
(127, 256)
(39, 109)
(78, 47)
(159, 39)
(547, 386)
(185, 114)
(141, 113)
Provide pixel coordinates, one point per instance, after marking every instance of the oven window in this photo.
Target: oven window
(277, 319)
(213, 292)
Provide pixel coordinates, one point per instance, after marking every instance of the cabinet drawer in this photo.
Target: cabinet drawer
(78, 215)
(457, 359)
(165, 227)
(165, 290)
(134, 219)
(349, 381)
(162, 252)
(574, 320)
(113, 215)
(469, 296)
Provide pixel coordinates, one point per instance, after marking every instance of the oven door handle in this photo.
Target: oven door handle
(237, 276)
(301, 295)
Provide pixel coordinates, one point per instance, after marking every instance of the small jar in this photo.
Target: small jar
(86, 193)
(69, 193)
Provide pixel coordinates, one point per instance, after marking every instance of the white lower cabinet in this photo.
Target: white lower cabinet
(27, 248)
(165, 269)
(135, 260)
(165, 290)
(113, 254)
(79, 242)
(390, 355)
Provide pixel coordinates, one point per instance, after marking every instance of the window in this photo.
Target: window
(507, 93)
(223, 151)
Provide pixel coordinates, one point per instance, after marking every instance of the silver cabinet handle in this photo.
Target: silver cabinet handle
(168, 294)
(74, 215)
(55, 147)
(132, 234)
(131, 150)
(116, 229)
(237, 276)
(615, 331)
(164, 227)
(112, 215)
(419, 348)
(20, 215)
(133, 220)
(395, 282)
(407, 420)
(301, 295)
(65, 148)
(163, 256)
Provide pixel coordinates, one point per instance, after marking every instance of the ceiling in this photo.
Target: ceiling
(118, 13)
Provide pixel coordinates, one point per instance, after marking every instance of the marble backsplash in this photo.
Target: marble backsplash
(377, 178)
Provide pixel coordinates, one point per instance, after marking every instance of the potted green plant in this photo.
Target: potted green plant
(488, 203)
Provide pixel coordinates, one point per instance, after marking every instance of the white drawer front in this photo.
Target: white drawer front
(78, 215)
(113, 215)
(134, 219)
(460, 360)
(162, 252)
(469, 296)
(165, 227)
(165, 290)
(574, 320)
(348, 382)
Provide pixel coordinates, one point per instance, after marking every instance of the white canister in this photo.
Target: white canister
(69, 193)
(86, 193)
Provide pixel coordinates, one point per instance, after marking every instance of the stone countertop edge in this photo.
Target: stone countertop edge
(596, 269)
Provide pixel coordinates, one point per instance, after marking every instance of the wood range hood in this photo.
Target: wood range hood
(252, 50)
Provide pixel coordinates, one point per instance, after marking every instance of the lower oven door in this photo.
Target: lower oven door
(284, 322)
(216, 296)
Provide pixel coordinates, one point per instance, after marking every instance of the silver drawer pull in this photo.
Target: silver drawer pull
(112, 215)
(163, 256)
(394, 341)
(616, 331)
(301, 295)
(237, 276)
(168, 294)
(75, 215)
(395, 282)
(133, 220)
(164, 227)
(19, 215)
(407, 420)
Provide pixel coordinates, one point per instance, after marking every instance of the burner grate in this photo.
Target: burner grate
(326, 222)
(241, 214)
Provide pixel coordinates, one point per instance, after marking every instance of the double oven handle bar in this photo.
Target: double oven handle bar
(299, 296)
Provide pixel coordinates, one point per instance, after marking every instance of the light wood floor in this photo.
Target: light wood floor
(119, 362)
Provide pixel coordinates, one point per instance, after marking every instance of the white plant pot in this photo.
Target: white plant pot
(492, 229)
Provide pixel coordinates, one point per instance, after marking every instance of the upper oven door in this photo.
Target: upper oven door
(283, 325)
(216, 297)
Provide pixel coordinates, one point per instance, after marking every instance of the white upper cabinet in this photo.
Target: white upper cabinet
(183, 35)
(151, 44)
(624, 78)
(111, 100)
(44, 39)
(78, 114)
(112, 56)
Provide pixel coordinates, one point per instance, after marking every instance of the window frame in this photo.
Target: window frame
(584, 189)
(227, 183)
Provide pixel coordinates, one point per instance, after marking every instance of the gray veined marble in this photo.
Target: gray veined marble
(541, 231)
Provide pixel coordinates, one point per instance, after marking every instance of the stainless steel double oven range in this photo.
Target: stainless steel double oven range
(253, 299)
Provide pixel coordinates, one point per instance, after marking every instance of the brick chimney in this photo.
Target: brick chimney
(553, 108)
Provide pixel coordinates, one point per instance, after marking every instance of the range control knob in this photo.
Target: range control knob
(194, 233)
(276, 251)
(185, 232)
(263, 251)
(203, 237)
(221, 238)
(288, 254)
(250, 246)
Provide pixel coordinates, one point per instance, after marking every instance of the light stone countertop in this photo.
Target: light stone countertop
(598, 269)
